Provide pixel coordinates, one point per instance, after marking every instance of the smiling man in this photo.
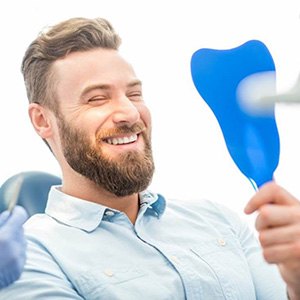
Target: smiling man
(104, 235)
(102, 128)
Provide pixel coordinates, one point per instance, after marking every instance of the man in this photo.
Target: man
(104, 235)
(12, 245)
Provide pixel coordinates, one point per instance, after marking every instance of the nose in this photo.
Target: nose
(125, 112)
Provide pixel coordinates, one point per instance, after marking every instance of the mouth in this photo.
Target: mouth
(121, 140)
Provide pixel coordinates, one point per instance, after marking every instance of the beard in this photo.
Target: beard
(125, 175)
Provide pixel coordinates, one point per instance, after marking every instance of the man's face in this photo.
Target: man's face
(104, 125)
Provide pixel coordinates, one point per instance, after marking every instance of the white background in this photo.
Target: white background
(159, 38)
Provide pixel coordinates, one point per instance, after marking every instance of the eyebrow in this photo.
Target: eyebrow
(107, 87)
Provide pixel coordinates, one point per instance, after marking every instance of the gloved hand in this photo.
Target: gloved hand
(12, 245)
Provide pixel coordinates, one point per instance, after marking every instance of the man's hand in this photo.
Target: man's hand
(12, 245)
(278, 225)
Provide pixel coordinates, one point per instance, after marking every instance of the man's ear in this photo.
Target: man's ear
(41, 120)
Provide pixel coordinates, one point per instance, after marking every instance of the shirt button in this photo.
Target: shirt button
(109, 213)
(108, 273)
(175, 259)
(221, 242)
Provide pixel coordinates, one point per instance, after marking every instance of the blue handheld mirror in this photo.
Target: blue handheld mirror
(252, 140)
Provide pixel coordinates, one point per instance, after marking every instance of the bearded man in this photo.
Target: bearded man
(103, 234)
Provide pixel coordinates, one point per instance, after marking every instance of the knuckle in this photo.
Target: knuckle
(264, 213)
(280, 192)
(262, 238)
(273, 188)
(296, 213)
(297, 232)
(296, 249)
(268, 256)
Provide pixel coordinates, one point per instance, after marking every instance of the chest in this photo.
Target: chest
(155, 261)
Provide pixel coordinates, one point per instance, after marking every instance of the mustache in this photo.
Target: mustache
(123, 129)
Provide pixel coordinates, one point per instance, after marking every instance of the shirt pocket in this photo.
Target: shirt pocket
(226, 262)
(104, 282)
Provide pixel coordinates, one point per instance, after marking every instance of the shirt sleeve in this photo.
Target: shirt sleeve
(266, 277)
(42, 279)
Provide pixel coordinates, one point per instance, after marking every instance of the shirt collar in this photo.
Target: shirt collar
(88, 215)
(153, 201)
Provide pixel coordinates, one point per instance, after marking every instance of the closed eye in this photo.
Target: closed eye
(97, 99)
(135, 96)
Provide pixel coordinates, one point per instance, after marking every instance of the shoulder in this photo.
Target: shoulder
(38, 222)
(202, 206)
(206, 211)
(42, 229)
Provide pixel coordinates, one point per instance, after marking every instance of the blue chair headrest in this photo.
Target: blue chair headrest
(34, 190)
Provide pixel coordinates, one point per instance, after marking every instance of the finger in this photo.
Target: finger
(282, 253)
(279, 235)
(270, 193)
(277, 215)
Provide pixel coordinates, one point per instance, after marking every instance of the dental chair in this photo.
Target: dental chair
(33, 192)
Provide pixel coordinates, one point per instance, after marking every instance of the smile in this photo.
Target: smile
(121, 140)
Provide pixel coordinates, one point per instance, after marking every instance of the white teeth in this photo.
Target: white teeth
(124, 140)
(132, 138)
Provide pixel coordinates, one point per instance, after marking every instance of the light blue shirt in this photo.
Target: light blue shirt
(175, 250)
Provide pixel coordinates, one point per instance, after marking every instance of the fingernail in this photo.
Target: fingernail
(247, 209)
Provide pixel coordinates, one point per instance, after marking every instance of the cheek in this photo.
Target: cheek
(93, 121)
(145, 116)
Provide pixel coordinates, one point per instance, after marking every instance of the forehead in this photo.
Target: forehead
(78, 70)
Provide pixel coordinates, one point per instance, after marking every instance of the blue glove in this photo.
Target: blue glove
(12, 245)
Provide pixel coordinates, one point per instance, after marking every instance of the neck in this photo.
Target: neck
(80, 187)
